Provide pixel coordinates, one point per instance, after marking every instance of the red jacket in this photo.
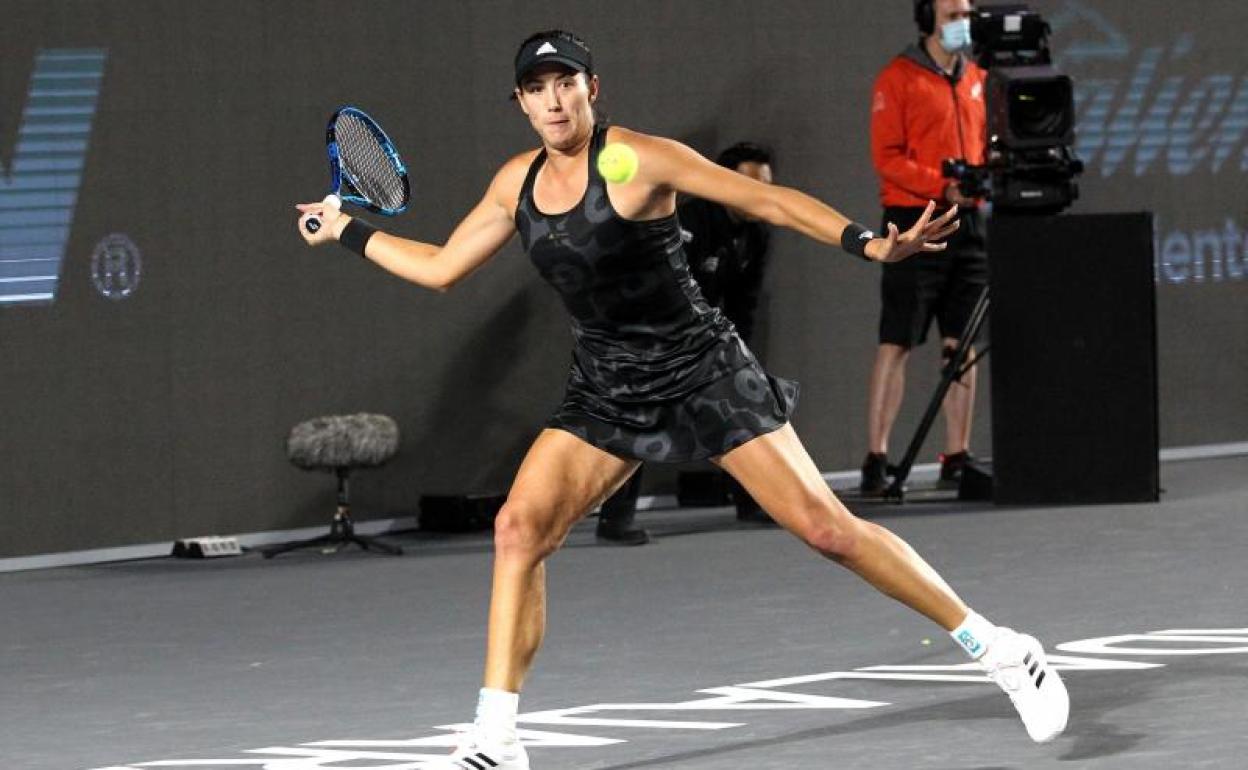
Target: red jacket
(919, 117)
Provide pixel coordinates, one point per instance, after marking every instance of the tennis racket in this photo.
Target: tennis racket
(364, 167)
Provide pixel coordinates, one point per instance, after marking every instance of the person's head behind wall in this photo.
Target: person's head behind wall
(749, 158)
(752, 160)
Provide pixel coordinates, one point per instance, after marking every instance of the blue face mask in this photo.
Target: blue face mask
(955, 35)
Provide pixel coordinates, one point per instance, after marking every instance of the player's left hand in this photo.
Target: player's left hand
(927, 235)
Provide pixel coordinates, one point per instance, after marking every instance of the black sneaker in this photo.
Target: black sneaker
(951, 468)
(621, 532)
(748, 509)
(874, 479)
(750, 512)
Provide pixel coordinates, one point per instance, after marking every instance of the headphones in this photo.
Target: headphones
(925, 16)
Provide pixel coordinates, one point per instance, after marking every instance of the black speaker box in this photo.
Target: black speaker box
(976, 481)
(458, 513)
(1074, 359)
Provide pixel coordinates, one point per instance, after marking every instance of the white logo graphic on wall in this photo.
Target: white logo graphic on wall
(1160, 111)
(116, 267)
(1161, 108)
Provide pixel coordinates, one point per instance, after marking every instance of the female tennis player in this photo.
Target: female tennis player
(657, 375)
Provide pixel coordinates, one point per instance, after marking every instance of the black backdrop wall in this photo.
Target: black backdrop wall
(139, 410)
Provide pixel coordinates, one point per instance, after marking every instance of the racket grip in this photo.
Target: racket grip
(314, 223)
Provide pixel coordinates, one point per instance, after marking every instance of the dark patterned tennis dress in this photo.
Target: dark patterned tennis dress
(657, 373)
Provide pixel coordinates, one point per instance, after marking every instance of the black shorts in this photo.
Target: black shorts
(943, 285)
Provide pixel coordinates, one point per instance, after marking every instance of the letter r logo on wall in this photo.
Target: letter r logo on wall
(38, 192)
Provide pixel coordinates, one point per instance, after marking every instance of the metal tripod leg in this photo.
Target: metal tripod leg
(342, 533)
(341, 529)
(953, 370)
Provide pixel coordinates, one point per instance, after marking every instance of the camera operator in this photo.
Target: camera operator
(928, 106)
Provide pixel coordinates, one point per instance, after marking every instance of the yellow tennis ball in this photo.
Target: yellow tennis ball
(617, 163)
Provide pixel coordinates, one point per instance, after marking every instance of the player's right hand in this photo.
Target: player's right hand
(332, 222)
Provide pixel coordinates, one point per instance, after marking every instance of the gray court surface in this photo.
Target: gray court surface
(719, 646)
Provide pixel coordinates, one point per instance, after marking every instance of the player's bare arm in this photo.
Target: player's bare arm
(670, 164)
(477, 238)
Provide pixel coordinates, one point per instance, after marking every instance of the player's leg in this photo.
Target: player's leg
(778, 472)
(560, 480)
(780, 475)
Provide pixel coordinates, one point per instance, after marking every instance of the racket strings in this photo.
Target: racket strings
(367, 163)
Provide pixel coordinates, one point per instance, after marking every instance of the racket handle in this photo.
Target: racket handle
(314, 223)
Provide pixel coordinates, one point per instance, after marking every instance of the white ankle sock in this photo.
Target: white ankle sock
(974, 634)
(496, 713)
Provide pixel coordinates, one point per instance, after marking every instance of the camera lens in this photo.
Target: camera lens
(1041, 109)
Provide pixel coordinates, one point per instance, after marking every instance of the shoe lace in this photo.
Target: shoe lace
(1008, 674)
(1006, 670)
(470, 740)
(475, 741)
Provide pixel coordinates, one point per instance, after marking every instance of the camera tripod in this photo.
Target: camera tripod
(953, 370)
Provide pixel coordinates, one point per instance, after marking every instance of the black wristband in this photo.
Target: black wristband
(356, 234)
(855, 238)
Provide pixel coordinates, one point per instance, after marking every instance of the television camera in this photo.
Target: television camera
(1030, 164)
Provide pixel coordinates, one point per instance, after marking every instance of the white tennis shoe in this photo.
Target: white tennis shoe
(477, 753)
(1017, 663)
